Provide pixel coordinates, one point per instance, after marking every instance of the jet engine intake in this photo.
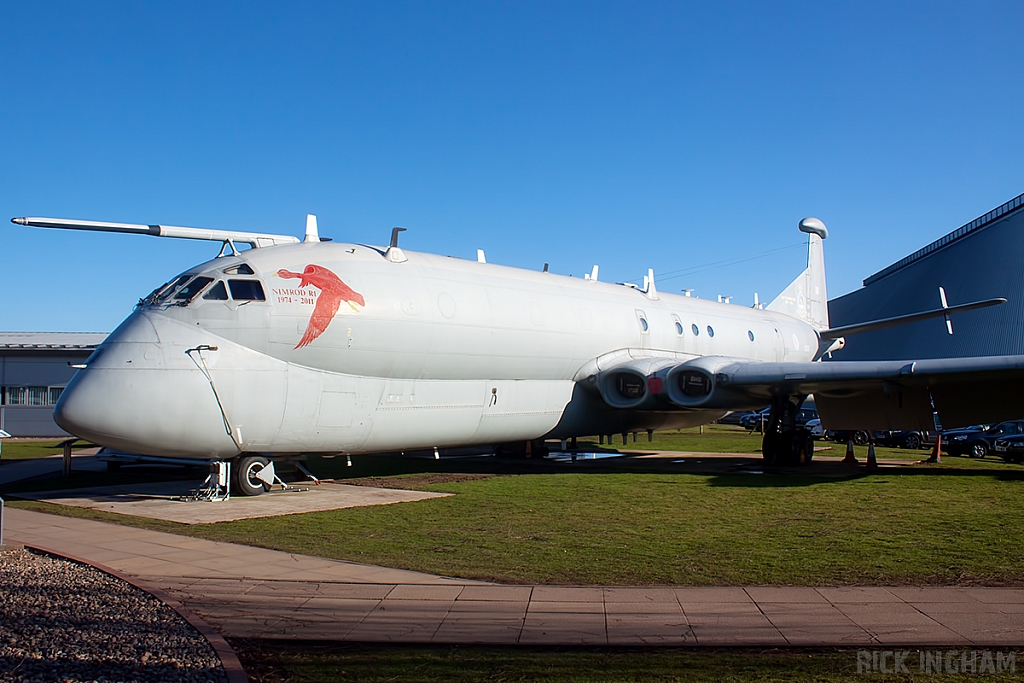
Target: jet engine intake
(634, 384)
(703, 383)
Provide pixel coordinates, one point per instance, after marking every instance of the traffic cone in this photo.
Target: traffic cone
(936, 455)
(850, 457)
(872, 461)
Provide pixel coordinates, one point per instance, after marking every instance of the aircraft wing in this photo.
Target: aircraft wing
(848, 394)
(874, 394)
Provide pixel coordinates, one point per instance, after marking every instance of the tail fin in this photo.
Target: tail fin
(805, 298)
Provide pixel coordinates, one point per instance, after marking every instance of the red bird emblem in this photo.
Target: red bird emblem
(332, 292)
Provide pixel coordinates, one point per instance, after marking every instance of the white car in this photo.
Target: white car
(817, 432)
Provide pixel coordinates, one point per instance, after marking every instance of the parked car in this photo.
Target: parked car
(814, 426)
(1010, 448)
(906, 438)
(977, 442)
(910, 438)
(753, 421)
(858, 436)
(735, 418)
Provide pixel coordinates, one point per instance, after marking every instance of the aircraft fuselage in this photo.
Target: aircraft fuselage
(349, 352)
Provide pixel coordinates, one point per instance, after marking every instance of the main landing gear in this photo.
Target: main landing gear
(784, 444)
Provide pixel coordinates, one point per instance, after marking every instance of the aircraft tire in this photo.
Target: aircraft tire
(245, 470)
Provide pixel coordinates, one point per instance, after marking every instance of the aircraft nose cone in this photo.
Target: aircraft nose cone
(82, 410)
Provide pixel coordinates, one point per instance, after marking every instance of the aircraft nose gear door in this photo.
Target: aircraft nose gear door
(784, 444)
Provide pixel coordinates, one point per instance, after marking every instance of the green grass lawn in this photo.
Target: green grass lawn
(955, 523)
(716, 438)
(26, 450)
(274, 661)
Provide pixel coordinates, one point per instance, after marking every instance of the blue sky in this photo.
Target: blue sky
(628, 134)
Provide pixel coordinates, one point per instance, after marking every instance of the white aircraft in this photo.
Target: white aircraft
(291, 348)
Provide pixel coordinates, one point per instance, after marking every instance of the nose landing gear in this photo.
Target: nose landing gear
(247, 473)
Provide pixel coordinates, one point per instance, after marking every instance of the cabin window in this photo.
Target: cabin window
(679, 328)
(246, 290)
(643, 325)
(695, 330)
(240, 269)
(750, 335)
(711, 331)
(217, 293)
(189, 291)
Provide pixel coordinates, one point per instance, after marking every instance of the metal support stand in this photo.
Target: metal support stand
(302, 468)
(217, 486)
(67, 457)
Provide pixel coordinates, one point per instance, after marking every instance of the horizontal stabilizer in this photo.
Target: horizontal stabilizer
(254, 239)
(872, 325)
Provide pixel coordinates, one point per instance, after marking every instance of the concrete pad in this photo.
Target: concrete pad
(489, 607)
(157, 501)
(997, 595)
(643, 608)
(447, 593)
(496, 593)
(932, 594)
(568, 594)
(857, 594)
(557, 606)
(900, 625)
(566, 629)
(712, 594)
(640, 595)
(727, 631)
(723, 608)
(789, 594)
(474, 628)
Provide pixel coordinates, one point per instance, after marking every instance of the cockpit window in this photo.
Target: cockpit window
(246, 290)
(165, 290)
(240, 269)
(189, 291)
(217, 293)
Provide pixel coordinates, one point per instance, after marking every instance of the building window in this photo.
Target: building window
(32, 396)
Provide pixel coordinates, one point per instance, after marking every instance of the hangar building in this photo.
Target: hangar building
(981, 260)
(34, 369)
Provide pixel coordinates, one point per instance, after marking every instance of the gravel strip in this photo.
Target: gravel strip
(64, 621)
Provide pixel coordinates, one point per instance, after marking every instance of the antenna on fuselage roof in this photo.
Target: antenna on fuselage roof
(394, 254)
(312, 233)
